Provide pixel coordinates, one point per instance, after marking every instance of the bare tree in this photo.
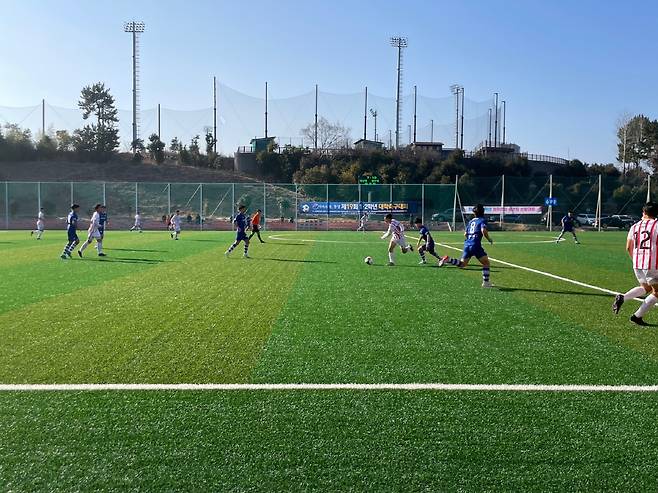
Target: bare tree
(330, 135)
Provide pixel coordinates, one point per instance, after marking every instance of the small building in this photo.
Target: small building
(428, 146)
(370, 145)
(261, 143)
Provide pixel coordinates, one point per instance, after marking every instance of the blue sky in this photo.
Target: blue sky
(568, 69)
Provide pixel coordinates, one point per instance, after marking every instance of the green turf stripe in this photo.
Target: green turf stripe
(203, 318)
(328, 441)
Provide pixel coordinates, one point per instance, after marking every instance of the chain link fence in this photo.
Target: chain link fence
(511, 203)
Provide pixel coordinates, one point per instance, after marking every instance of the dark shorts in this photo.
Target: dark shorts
(428, 247)
(255, 228)
(241, 236)
(473, 251)
(73, 235)
(568, 230)
(101, 231)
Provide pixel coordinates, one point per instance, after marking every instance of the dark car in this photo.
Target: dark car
(621, 222)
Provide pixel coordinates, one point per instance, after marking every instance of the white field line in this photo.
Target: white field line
(84, 387)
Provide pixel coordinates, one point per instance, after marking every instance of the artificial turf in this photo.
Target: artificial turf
(306, 309)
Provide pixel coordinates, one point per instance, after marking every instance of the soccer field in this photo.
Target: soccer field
(307, 310)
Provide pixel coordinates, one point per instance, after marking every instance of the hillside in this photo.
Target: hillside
(118, 170)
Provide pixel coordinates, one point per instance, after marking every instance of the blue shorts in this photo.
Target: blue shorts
(428, 247)
(241, 236)
(473, 251)
(73, 235)
(568, 229)
(101, 230)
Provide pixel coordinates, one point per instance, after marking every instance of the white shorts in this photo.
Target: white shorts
(40, 226)
(94, 235)
(401, 241)
(647, 276)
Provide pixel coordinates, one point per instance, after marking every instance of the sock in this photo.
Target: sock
(39, 233)
(453, 261)
(232, 247)
(634, 293)
(99, 246)
(84, 246)
(648, 304)
(246, 249)
(66, 249)
(391, 257)
(485, 274)
(559, 237)
(422, 254)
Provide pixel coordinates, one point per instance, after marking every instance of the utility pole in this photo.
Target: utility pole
(365, 117)
(496, 120)
(135, 28)
(214, 114)
(374, 115)
(489, 141)
(504, 119)
(431, 130)
(415, 95)
(461, 145)
(456, 90)
(266, 110)
(315, 136)
(400, 43)
(159, 134)
(43, 117)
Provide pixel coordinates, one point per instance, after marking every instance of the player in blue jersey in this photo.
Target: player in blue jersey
(241, 222)
(425, 236)
(568, 227)
(102, 222)
(72, 231)
(475, 231)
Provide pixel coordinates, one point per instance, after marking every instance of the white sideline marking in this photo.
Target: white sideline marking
(290, 238)
(86, 387)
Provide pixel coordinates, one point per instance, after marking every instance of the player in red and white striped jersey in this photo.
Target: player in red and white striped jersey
(642, 247)
(396, 229)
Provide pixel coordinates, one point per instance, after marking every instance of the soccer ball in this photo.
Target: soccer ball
(368, 260)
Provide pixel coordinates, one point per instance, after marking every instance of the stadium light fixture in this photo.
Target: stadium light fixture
(399, 42)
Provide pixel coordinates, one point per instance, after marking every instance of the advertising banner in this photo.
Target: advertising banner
(357, 208)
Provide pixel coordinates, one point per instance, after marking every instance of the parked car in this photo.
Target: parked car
(616, 221)
(444, 216)
(586, 219)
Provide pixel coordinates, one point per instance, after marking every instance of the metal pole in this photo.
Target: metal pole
(264, 205)
(496, 122)
(6, 205)
(71, 193)
(214, 113)
(600, 206)
(39, 195)
(397, 101)
(134, 91)
(104, 195)
(315, 145)
(502, 203)
(415, 94)
(461, 145)
(550, 207)
(43, 117)
(422, 202)
(489, 142)
(136, 199)
(168, 198)
(296, 204)
(390, 193)
(648, 188)
(266, 110)
(201, 206)
(365, 117)
(504, 119)
(456, 118)
(454, 205)
(327, 225)
(232, 201)
(431, 130)
(159, 134)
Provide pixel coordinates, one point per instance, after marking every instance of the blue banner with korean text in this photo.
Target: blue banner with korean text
(357, 208)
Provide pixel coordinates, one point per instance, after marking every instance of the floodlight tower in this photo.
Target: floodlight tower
(135, 28)
(400, 43)
(456, 89)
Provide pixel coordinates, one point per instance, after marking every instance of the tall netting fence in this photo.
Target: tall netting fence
(511, 203)
(241, 117)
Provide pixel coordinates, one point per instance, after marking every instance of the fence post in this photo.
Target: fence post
(232, 203)
(599, 206)
(648, 188)
(136, 200)
(327, 185)
(549, 216)
(296, 205)
(104, 195)
(390, 194)
(454, 205)
(39, 195)
(502, 203)
(6, 205)
(422, 202)
(264, 202)
(201, 206)
(71, 193)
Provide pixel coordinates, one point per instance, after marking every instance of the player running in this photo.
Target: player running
(71, 230)
(255, 225)
(425, 236)
(568, 227)
(396, 229)
(93, 232)
(642, 247)
(102, 222)
(362, 222)
(138, 222)
(240, 222)
(175, 223)
(40, 224)
(475, 231)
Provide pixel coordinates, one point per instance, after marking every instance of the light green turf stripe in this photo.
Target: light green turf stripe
(203, 319)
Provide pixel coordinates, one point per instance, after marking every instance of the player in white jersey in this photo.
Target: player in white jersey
(138, 223)
(362, 222)
(41, 226)
(93, 232)
(175, 223)
(642, 246)
(396, 231)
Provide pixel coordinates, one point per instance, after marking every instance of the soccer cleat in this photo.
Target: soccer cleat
(443, 260)
(391, 263)
(577, 242)
(227, 253)
(638, 321)
(616, 305)
(246, 256)
(487, 284)
(31, 233)
(68, 254)
(102, 255)
(411, 248)
(422, 262)
(63, 256)
(79, 253)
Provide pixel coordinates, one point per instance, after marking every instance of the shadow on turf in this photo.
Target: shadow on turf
(124, 260)
(136, 250)
(553, 291)
(297, 260)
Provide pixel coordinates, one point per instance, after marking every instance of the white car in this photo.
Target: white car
(586, 219)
